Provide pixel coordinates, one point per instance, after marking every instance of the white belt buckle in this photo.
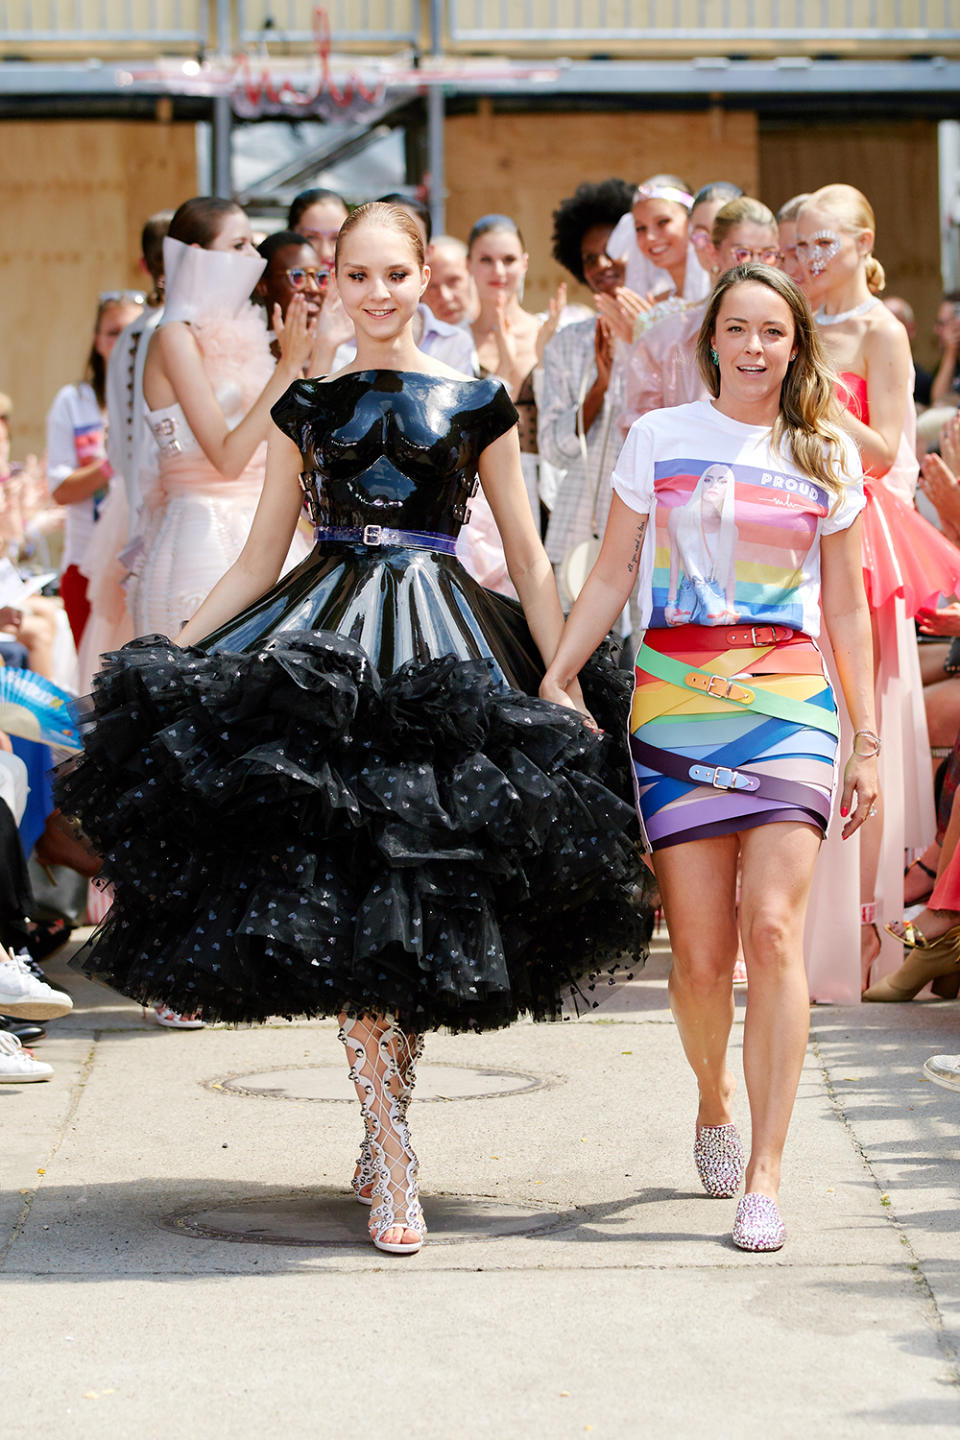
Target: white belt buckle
(372, 535)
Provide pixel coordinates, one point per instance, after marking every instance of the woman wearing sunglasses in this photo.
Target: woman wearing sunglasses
(293, 268)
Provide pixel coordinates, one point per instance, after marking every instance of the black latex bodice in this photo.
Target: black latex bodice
(396, 448)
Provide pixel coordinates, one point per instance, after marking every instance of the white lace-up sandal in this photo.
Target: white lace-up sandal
(383, 1069)
(365, 1174)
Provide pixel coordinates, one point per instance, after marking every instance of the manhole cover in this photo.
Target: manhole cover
(322, 1219)
(329, 1082)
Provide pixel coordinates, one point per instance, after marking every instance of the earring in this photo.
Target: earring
(714, 356)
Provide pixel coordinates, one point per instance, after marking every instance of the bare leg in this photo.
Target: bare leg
(777, 871)
(698, 883)
(871, 842)
(931, 662)
(942, 702)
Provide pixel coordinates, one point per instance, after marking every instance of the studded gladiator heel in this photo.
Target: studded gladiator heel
(365, 1174)
(383, 1069)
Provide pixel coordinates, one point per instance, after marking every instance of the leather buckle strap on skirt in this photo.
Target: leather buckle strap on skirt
(764, 702)
(373, 536)
(719, 687)
(723, 777)
(717, 637)
(760, 635)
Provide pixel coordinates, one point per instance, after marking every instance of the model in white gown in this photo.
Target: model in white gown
(195, 520)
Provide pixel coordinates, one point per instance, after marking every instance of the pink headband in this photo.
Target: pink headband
(664, 192)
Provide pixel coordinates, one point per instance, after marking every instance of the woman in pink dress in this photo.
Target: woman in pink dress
(906, 564)
(209, 381)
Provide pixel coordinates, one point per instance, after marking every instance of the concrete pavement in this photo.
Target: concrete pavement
(179, 1256)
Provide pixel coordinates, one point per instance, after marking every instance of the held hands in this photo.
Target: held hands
(296, 335)
(570, 698)
(860, 781)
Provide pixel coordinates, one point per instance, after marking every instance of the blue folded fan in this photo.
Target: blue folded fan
(36, 709)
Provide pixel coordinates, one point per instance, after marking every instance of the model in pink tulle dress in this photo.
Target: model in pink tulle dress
(195, 521)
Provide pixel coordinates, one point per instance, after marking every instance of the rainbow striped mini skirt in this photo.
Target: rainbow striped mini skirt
(731, 728)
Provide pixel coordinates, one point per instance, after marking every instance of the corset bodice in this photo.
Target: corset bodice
(393, 448)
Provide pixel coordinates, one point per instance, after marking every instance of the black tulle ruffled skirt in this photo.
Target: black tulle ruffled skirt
(289, 832)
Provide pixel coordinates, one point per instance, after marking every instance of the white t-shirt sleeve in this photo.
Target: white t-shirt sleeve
(61, 448)
(842, 516)
(632, 477)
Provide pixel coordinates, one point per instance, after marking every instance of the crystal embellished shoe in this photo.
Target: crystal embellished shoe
(718, 1156)
(365, 1174)
(758, 1225)
(383, 1069)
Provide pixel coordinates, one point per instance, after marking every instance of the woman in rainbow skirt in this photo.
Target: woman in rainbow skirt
(739, 518)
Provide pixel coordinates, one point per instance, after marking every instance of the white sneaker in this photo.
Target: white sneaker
(173, 1020)
(25, 997)
(17, 1067)
(943, 1070)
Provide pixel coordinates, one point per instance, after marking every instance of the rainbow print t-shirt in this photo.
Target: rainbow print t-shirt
(735, 527)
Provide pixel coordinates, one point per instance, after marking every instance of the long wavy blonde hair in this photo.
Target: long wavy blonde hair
(808, 424)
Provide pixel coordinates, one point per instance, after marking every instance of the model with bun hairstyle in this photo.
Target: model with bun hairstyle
(906, 562)
(363, 809)
(734, 727)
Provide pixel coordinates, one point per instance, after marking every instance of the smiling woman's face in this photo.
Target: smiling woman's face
(754, 340)
(662, 227)
(379, 280)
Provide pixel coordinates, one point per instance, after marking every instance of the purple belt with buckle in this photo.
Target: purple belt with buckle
(375, 536)
(726, 777)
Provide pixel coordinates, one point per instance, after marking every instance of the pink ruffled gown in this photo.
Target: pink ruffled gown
(907, 563)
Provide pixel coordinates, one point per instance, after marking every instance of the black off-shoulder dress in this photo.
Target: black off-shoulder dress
(349, 797)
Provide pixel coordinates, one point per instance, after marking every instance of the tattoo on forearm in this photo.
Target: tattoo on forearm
(638, 545)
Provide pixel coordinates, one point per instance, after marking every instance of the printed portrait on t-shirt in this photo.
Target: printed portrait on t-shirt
(731, 543)
(703, 538)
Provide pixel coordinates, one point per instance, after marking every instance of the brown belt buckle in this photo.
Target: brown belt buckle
(719, 688)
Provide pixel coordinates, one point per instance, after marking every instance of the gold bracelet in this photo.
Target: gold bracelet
(868, 735)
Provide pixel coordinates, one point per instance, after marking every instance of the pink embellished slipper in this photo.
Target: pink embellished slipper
(718, 1156)
(758, 1225)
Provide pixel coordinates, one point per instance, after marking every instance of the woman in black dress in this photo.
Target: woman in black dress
(338, 794)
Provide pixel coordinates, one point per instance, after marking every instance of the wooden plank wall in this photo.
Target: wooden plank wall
(525, 164)
(76, 194)
(894, 163)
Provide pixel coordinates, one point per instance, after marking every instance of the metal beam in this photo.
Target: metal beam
(345, 142)
(436, 160)
(655, 81)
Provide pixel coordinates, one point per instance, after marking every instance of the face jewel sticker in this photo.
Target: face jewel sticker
(817, 252)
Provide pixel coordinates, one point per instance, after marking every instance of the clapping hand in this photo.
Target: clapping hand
(549, 327)
(296, 334)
